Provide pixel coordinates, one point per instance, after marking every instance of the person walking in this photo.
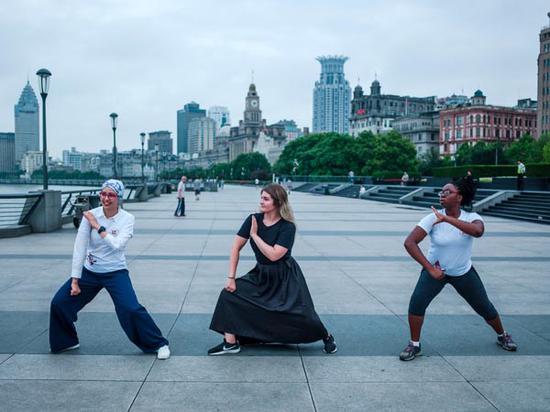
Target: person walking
(520, 175)
(271, 303)
(404, 179)
(197, 188)
(99, 262)
(180, 210)
(451, 231)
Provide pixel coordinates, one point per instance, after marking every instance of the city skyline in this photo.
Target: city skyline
(145, 62)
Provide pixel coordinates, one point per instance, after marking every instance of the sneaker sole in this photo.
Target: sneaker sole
(507, 349)
(410, 359)
(225, 352)
(330, 353)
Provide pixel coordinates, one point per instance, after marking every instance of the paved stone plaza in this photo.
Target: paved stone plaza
(360, 278)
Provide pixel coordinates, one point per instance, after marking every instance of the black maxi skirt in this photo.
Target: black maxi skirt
(272, 304)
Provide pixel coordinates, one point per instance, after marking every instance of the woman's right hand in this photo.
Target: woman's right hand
(231, 286)
(436, 272)
(75, 289)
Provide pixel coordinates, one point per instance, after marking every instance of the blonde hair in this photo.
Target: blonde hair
(280, 200)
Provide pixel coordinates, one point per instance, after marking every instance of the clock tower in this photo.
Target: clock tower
(252, 112)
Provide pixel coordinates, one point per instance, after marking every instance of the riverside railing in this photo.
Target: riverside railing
(16, 209)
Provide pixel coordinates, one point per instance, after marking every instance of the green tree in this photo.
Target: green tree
(546, 153)
(391, 156)
(335, 155)
(251, 166)
(526, 149)
(431, 159)
(299, 150)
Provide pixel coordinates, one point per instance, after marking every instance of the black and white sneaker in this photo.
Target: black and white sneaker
(410, 352)
(225, 348)
(506, 342)
(330, 345)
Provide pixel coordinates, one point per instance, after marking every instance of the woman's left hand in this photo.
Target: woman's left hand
(253, 227)
(440, 217)
(91, 218)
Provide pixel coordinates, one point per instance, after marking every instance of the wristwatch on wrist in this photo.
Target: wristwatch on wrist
(101, 229)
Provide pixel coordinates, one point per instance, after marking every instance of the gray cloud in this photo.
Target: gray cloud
(146, 59)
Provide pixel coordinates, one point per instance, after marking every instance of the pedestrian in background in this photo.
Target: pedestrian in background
(180, 210)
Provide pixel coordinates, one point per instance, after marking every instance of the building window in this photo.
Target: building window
(478, 118)
(478, 131)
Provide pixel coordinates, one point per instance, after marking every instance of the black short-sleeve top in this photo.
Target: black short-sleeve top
(281, 233)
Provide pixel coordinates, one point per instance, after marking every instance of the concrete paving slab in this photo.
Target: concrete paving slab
(20, 329)
(516, 397)
(83, 367)
(255, 369)
(66, 396)
(99, 334)
(361, 397)
(502, 368)
(359, 369)
(4, 356)
(249, 397)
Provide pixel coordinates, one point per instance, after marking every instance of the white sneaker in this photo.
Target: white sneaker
(163, 352)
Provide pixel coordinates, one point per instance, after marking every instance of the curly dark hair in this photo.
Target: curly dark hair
(467, 189)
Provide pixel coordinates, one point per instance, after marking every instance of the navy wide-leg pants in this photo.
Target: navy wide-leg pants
(133, 317)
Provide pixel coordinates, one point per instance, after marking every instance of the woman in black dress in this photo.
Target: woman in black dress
(271, 303)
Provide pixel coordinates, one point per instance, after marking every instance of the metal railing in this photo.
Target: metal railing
(68, 197)
(15, 209)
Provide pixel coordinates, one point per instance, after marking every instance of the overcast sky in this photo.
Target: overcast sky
(146, 59)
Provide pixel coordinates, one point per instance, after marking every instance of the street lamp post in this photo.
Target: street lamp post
(114, 121)
(44, 82)
(157, 162)
(142, 137)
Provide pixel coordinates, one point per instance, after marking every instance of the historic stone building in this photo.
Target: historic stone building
(478, 121)
(377, 111)
(253, 129)
(421, 129)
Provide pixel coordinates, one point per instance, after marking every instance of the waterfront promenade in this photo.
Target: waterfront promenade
(360, 278)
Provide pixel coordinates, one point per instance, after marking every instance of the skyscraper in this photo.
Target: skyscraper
(543, 110)
(163, 139)
(190, 111)
(26, 123)
(202, 132)
(220, 114)
(7, 152)
(331, 97)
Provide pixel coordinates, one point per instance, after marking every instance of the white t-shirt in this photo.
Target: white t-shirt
(181, 189)
(102, 255)
(448, 244)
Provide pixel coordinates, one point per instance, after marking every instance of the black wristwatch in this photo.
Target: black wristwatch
(101, 229)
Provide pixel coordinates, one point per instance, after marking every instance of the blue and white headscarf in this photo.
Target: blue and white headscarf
(115, 185)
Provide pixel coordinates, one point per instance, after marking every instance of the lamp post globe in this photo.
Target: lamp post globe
(44, 86)
(114, 122)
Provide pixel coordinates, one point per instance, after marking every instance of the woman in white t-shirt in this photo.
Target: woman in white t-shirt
(452, 231)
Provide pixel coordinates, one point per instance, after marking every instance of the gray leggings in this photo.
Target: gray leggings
(469, 286)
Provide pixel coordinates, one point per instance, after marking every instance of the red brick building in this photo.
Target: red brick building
(477, 122)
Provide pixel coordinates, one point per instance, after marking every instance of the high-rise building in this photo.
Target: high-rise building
(201, 135)
(543, 84)
(189, 111)
(72, 158)
(163, 139)
(26, 123)
(7, 152)
(221, 115)
(31, 161)
(331, 97)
